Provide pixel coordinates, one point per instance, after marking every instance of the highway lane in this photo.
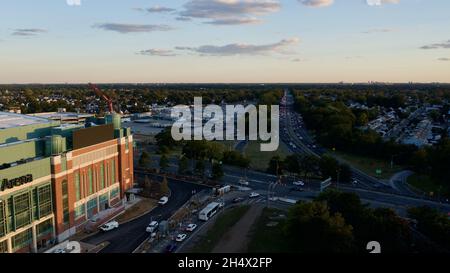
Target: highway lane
(294, 132)
(130, 235)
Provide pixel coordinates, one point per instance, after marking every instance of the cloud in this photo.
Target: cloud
(229, 12)
(159, 9)
(378, 30)
(444, 45)
(157, 52)
(235, 21)
(444, 59)
(129, 28)
(183, 19)
(280, 47)
(381, 2)
(316, 3)
(28, 31)
(73, 2)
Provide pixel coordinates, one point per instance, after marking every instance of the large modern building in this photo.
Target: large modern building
(56, 178)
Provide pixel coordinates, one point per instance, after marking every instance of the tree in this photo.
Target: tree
(217, 171)
(235, 158)
(214, 151)
(381, 225)
(200, 167)
(164, 138)
(292, 163)
(275, 165)
(144, 159)
(329, 167)
(311, 228)
(183, 165)
(345, 175)
(433, 224)
(164, 187)
(164, 163)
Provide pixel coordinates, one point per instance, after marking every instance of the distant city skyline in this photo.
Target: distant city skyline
(224, 41)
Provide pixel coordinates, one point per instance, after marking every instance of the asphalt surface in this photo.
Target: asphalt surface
(130, 235)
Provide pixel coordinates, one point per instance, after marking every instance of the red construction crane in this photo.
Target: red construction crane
(99, 93)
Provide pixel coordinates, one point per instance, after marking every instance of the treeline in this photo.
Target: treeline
(130, 98)
(308, 166)
(338, 222)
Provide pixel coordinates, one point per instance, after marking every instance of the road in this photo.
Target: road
(130, 235)
(399, 182)
(294, 133)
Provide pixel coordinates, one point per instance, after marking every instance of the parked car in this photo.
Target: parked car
(180, 237)
(152, 227)
(171, 248)
(109, 226)
(191, 227)
(163, 200)
(299, 183)
(254, 195)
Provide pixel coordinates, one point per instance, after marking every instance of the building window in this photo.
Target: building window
(65, 201)
(91, 184)
(45, 201)
(113, 171)
(22, 210)
(44, 228)
(91, 206)
(22, 240)
(79, 211)
(102, 176)
(114, 193)
(103, 200)
(4, 247)
(2, 220)
(77, 186)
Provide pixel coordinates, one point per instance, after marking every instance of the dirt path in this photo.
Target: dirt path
(235, 240)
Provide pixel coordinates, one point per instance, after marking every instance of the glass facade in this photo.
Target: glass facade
(77, 186)
(114, 193)
(103, 200)
(113, 171)
(65, 200)
(91, 206)
(45, 201)
(2, 220)
(102, 177)
(91, 183)
(22, 240)
(3, 247)
(22, 210)
(44, 228)
(79, 211)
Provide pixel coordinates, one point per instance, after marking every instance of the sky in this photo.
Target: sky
(224, 41)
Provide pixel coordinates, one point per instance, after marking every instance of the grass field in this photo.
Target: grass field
(425, 184)
(223, 223)
(265, 239)
(369, 165)
(260, 160)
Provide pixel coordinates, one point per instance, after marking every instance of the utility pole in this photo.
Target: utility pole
(338, 171)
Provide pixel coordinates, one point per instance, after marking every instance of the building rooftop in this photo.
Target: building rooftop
(11, 120)
(63, 115)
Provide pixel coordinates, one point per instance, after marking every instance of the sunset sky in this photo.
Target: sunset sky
(78, 41)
